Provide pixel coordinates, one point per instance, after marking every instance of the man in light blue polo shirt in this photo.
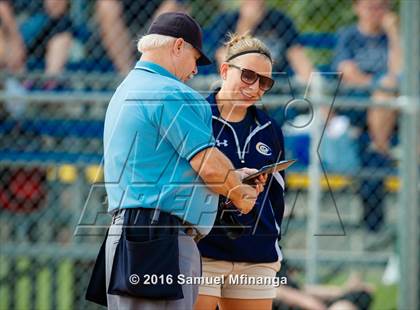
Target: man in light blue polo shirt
(160, 160)
(150, 137)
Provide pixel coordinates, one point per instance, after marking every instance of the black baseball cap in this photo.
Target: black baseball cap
(181, 25)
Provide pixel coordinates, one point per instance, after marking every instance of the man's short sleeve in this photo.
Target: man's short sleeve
(184, 120)
(342, 50)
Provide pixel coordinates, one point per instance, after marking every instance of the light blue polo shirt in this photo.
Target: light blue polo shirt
(154, 125)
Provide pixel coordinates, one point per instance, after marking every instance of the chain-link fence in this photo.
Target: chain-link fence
(346, 124)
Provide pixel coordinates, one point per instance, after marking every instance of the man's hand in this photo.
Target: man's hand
(390, 23)
(220, 176)
(243, 197)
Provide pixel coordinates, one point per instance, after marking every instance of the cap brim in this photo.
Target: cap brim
(203, 60)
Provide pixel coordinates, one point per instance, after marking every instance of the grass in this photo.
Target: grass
(385, 298)
(42, 286)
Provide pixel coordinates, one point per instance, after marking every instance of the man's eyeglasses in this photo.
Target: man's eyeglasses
(250, 77)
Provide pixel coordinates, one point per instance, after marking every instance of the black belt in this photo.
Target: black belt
(154, 215)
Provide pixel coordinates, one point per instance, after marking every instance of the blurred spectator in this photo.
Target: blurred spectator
(53, 37)
(369, 54)
(113, 17)
(45, 35)
(354, 295)
(270, 25)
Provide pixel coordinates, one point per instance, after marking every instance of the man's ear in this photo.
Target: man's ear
(178, 46)
(223, 70)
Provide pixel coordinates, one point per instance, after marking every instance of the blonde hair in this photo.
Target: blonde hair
(242, 44)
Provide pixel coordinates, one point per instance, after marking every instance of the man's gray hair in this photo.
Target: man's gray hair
(153, 41)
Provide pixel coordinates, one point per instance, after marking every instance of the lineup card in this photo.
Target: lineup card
(269, 169)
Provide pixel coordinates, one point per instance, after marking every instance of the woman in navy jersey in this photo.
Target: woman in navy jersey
(239, 269)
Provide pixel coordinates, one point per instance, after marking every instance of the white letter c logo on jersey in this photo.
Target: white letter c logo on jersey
(263, 149)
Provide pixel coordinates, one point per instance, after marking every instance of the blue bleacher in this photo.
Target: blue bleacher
(57, 129)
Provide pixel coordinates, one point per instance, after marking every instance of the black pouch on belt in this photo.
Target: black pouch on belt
(146, 260)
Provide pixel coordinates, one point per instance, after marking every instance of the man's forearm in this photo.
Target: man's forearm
(217, 172)
(395, 53)
(390, 25)
(115, 35)
(8, 21)
(300, 62)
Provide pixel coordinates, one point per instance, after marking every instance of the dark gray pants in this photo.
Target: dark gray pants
(189, 264)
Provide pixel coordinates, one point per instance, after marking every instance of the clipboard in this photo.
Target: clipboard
(269, 169)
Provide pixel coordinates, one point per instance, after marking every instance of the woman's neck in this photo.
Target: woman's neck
(229, 109)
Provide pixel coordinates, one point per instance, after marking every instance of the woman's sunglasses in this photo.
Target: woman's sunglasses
(250, 77)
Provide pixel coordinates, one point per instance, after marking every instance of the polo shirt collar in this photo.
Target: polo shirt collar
(155, 68)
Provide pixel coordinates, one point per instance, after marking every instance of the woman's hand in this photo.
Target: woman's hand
(260, 182)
